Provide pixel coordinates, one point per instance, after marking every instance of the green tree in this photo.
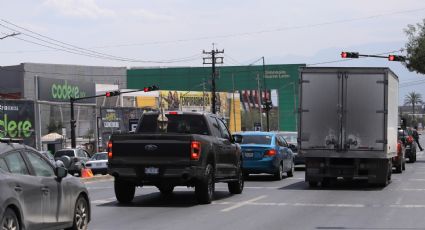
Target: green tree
(415, 47)
(413, 99)
(54, 127)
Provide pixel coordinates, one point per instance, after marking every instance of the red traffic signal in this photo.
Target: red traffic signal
(112, 93)
(396, 58)
(150, 88)
(349, 54)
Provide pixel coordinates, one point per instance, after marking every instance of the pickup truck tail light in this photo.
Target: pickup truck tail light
(195, 150)
(269, 153)
(110, 149)
(410, 139)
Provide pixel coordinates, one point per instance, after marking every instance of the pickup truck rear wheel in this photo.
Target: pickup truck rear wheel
(236, 187)
(124, 191)
(204, 188)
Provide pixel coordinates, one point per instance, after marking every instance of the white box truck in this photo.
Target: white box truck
(348, 123)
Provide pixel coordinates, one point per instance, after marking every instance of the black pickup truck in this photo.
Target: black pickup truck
(173, 149)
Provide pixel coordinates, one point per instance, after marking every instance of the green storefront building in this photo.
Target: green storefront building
(282, 79)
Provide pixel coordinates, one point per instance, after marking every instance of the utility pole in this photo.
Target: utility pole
(259, 102)
(213, 60)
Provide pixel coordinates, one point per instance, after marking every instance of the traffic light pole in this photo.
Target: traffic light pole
(114, 93)
(389, 57)
(73, 144)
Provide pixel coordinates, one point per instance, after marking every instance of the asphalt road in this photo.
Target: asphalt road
(269, 204)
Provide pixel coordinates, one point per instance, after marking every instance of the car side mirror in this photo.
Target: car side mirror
(237, 138)
(63, 161)
(61, 172)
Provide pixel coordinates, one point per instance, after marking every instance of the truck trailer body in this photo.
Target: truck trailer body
(348, 123)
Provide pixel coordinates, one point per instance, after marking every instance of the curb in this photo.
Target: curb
(98, 178)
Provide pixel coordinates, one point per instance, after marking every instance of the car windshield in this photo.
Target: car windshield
(100, 156)
(257, 139)
(61, 153)
(290, 137)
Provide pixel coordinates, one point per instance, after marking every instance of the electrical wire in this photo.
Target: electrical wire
(65, 47)
(296, 27)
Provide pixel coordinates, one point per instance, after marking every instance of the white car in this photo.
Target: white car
(98, 163)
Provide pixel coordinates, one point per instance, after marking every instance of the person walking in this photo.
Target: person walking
(415, 135)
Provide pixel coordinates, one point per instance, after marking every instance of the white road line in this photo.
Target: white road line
(240, 204)
(252, 202)
(107, 200)
(413, 189)
(413, 179)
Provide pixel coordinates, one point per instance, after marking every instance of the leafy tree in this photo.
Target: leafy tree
(54, 127)
(415, 47)
(413, 99)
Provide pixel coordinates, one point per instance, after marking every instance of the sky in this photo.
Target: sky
(136, 33)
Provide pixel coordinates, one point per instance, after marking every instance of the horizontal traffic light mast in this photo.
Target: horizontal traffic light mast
(390, 57)
(107, 94)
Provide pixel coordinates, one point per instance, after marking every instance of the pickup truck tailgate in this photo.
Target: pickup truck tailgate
(152, 149)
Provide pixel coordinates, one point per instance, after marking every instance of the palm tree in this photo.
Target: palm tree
(413, 99)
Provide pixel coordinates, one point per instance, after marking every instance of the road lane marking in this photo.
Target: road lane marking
(103, 201)
(413, 179)
(243, 203)
(252, 202)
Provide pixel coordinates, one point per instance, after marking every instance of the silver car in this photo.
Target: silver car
(36, 194)
(98, 163)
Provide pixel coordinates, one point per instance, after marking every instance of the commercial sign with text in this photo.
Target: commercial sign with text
(17, 120)
(59, 90)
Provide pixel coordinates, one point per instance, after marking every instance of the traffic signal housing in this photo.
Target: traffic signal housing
(396, 58)
(150, 88)
(349, 54)
(112, 93)
(267, 105)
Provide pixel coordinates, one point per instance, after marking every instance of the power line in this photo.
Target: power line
(66, 47)
(9, 35)
(296, 27)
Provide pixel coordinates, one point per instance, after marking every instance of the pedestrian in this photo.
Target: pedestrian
(415, 135)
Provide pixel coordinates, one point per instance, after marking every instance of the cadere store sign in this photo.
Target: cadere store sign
(59, 90)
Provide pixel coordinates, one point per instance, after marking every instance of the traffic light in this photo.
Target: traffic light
(150, 88)
(396, 58)
(112, 93)
(267, 105)
(349, 54)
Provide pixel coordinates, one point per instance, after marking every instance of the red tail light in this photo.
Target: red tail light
(195, 150)
(410, 139)
(270, 153)
(110, 149)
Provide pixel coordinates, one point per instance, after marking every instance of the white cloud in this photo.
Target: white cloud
(151, 16)
(78, 8)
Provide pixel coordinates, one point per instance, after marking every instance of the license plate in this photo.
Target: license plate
(249, 154)
(152, 171)
(98, 164)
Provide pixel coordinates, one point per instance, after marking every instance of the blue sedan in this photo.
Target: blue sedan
(266, 152)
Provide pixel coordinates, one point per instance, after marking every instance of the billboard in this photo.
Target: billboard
(17, 120)
(59, 90)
